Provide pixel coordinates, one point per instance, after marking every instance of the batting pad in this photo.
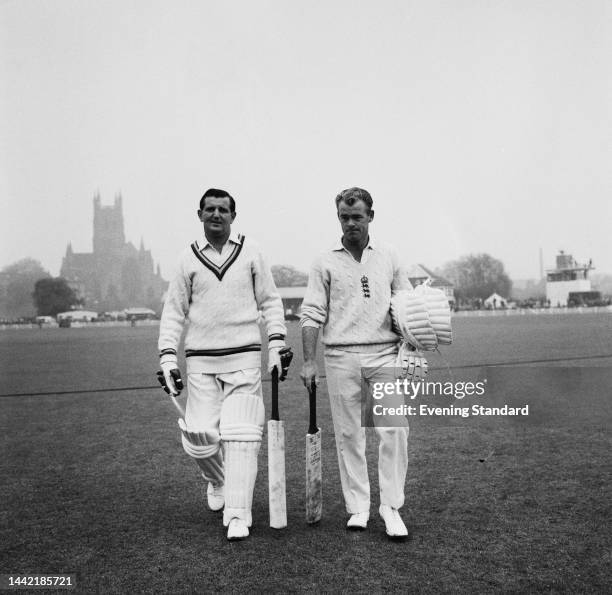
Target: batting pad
(242, 418)
(207, 454)
(240, 474)
(439, 312)
(410, 317)
(241, 427)
(205, 438)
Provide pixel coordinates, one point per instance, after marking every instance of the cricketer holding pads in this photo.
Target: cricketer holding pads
(222, 283)
(348, 295)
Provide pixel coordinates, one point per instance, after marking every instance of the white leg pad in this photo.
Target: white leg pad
(242, 418)
(240, 474)
(209, 457)
(241, 426)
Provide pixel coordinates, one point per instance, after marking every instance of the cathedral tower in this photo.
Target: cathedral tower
(108, 234)
(116, 274)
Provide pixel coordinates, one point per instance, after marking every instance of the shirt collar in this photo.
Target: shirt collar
(234, 237)
(338, 247)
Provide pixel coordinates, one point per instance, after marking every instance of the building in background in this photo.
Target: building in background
(568, 277)
(292, 300)
(419, 273)
(116, 274)
(294, 296)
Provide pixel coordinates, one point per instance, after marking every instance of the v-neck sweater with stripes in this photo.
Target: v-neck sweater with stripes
(221, 304)
(351, 299)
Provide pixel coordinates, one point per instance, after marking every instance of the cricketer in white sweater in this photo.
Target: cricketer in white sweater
(350, 299)
(220, 296)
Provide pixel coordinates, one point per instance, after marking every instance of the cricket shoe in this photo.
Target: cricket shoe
(358, 521)
(393, 522)
(215, 496)
(237, 530)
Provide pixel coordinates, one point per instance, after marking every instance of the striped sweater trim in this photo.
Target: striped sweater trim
(276, 337)
(218, 271)
(168, 351)
(221, 352)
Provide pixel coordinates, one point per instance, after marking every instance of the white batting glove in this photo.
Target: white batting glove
(172, 377)
(274, 360)
(413, 365)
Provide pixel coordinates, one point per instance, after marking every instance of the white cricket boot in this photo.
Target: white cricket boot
(358, 521)
(393, 522)
(215, 495)
(237, 530)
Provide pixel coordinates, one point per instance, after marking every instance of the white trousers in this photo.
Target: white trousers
(206, 393)
(232, 404)
(344, 371)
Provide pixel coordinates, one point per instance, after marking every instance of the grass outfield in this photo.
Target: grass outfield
(97, 484)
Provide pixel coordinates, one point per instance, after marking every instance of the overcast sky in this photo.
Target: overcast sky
(477, 125)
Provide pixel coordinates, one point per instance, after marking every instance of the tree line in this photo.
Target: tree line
(477, 276)
(27, 289)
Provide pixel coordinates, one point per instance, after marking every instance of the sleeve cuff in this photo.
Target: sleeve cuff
(168, 356)
(307, 322)
(276, 340)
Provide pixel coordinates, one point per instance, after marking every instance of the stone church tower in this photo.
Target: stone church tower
(115, 275)
(108, 235)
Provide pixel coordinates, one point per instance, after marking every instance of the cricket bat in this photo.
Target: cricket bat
(314, 500)
(178, 406)
(276, 462)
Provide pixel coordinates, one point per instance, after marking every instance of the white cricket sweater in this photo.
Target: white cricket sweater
(220, 297)
(351, 299)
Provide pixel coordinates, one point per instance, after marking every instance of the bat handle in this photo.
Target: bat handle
(275, 415)
(312, 398)
(178, 406)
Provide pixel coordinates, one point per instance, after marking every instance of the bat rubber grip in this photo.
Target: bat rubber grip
(312, 399)
(275, 415)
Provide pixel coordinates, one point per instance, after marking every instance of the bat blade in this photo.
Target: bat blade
(314, 500)
(276, 474)
(277, 498)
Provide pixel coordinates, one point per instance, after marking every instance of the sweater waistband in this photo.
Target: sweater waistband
(205, 364)
(222, 352)
(365, 347)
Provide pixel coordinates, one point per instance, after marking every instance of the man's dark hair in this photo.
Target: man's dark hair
(218, 194)
(351, 195)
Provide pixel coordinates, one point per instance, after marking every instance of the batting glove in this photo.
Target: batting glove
(274, 359)
(413, 365)
(280, 358)
(170, 378)
(286, 355)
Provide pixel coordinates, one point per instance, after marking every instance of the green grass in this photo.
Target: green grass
(98, 484)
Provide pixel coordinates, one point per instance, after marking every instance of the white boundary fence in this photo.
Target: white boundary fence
(460, 314)
(79, 324)
(532, 311)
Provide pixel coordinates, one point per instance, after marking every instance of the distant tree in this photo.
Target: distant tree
(533, 289)
(478, 276)
(52, 296)
(17, 282)
(603, 283)
(287, 276)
